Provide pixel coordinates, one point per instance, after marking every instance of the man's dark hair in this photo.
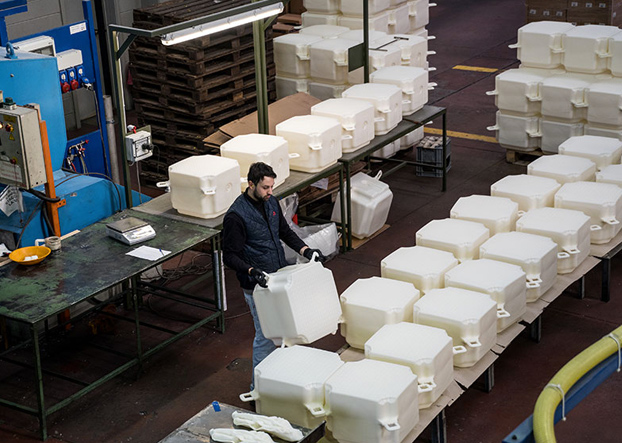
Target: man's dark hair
(258, 171)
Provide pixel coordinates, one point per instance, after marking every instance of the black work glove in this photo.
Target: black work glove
(308, 253)
(258, 277)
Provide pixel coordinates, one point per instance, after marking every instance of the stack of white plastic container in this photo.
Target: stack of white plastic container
(567, 85)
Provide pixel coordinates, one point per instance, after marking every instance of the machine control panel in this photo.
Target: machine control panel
(21, 151)
(138, 144)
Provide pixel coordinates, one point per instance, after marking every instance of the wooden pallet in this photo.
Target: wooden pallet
(177, 11)
(522, 157)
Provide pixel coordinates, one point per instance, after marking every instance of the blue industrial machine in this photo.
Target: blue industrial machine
(39, 69)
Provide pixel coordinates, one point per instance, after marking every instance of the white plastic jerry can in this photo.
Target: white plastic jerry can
(540, 44)
(316, 19)
(469, 317)
(563, 168)
(586, 48)
(614, 63)
(329, 60)
(399, 19)
(326, 91)
(324, 31)
(518, 132)
(354, 8)
(603, 151)
(203, 186)
(535, 254)
(377, 22)
(568, 228)
(316, 141)
(322, 6)
(250, 148)
(565, 97)
(519, 91)
(365, 311)
(412, 81)
(414, 49)
(419, 13)
(300, 304)
(554, 133)
(604, 100)
(424, 267)
(602, 202)
(370, 401)
(286, 86)
(370, 203)
(460, 237)
(529, 191)
(610, 174)
(498, 214)
(602, 131)
(292, 54)
(505, 283)
(356, 118)
(387, 100)
(289, 383)
(426, 350)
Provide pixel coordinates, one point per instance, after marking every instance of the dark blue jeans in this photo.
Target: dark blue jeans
(262, 346)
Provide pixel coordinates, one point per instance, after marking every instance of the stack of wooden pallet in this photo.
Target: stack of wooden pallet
(188, 90)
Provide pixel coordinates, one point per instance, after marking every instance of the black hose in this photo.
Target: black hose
(42, 196)
(46, 218)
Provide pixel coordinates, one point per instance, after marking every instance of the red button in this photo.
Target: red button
(65, 87)
(75, 84)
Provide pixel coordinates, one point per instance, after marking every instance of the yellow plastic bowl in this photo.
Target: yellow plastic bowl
(20, 254)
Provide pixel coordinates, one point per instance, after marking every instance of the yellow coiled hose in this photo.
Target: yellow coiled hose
(551, 396)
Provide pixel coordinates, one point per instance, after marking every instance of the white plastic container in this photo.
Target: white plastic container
(563, 168)
(604, 100)
(519, 91)
(324, 31)
(424, 267)
(529, 191)
(505, 283)
(460, 237)
(610, 174)
(412, 81)
(289, 86)
(329, 60)
(294, 310)
(387, 100)
(250, 148)
(601, 131)
(322, 6)
(603, 151)
(554, 133)
(535, 254)
(317, 19)
(388, 150)
(568, 228)
(316, 140)
(377, 22)
(204, 186)
(419, 13)
(354, 8)
(356, 118)
(365, 311)
(517, 132)
(412, 138)
(372, 401)
(469, 317)
(540, 44)
(586, 48)
(292, 54)
(325, 91)
(399, 19)
(498, 214)
(600, 201)
(289, 383)
(427, 351)
(357, 34)
(614, 63)
(565, 97)
(414, 49)
(370, 203)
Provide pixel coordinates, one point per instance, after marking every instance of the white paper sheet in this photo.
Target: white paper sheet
(11, 200)
(148, 253)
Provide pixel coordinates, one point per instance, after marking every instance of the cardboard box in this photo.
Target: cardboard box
(539, 14)
(557, 5)
(287, 107)
(295, 7)
(609, 15)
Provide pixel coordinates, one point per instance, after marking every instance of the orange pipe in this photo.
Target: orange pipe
(50, 189)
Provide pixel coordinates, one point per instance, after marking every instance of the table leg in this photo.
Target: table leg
(348, 206)
(439, 428)
(489, 378)
(139, 348)
(39, 382)
(444, 185)
(582, 288)
(606, 279)
(219, 292)
(535, 329)
(342, 205)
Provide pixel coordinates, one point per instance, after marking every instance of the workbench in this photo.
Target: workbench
(91, 262)
(218, 415)
(408, 124)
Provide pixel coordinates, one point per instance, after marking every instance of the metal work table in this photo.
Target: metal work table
(91, 262)
(296, 181)
(408, 124)
(196, 430)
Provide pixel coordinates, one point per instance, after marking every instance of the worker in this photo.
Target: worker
(252, 232)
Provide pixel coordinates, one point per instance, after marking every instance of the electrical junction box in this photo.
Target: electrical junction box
(43, 45)
(68, 59)
(138, 145)
(21, 150)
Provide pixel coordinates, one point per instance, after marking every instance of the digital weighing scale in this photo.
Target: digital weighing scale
(130, 230)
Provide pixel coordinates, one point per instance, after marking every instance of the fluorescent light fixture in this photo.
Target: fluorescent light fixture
(220, 25)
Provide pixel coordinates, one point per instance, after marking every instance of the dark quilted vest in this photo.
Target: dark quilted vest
(263, 248)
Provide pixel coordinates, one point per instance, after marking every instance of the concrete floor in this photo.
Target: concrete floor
(207, 366)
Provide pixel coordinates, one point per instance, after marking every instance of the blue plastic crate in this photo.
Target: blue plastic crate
(433, 156)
